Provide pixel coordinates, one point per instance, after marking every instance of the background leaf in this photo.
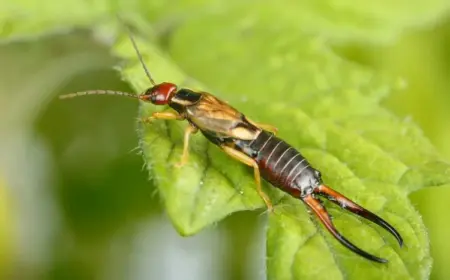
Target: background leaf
(342, 20)
(7, 240)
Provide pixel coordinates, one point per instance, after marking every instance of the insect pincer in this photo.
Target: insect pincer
(160, 94)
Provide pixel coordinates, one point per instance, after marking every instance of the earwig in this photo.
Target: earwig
(253, 144)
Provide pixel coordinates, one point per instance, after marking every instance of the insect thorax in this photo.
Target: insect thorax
(186, 97)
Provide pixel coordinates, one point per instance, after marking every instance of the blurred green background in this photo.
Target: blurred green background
(75, 202)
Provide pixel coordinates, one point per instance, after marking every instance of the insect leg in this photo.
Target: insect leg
(163, 116)
(324, 217)
(250, 162)
(264, 126)
(187, 133)
(351, 206)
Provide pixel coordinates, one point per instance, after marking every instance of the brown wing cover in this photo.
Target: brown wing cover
(215, 116)
(211, 107)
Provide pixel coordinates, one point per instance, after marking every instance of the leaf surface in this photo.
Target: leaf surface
(274, 63)
(326, 107)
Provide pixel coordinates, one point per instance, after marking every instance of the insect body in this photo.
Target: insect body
(253, 144)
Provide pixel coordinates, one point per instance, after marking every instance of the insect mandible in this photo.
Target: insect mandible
(253, 144)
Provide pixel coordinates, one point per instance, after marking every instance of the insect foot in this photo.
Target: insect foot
(147, 120)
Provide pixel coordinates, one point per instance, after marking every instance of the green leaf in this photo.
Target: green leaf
(323, 105)
(274, 63)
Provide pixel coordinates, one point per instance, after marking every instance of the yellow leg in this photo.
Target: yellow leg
(187, 133)
(163, 116)
(250, 162)
(267, 127)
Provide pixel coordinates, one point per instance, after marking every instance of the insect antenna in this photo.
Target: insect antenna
(113, 92)
(98, 92)
(138, 53)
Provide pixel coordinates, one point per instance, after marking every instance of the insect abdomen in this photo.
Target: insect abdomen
(281, 164)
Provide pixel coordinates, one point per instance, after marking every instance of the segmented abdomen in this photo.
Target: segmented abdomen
(280, 163)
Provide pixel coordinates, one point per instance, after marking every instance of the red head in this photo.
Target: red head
(160, 94)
